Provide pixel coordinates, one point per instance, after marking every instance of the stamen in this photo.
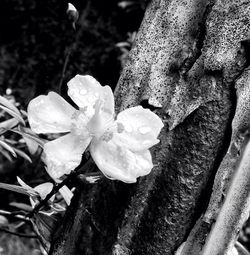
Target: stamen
(107, 136)
(79, 124)
(120, 127)
(101, 122)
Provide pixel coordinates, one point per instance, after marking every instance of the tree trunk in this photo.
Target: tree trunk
(184, 65)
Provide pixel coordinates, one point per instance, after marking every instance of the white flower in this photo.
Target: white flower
(120, 148)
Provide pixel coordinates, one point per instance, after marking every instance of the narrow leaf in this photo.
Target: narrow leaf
(241, 249)
(18, 224)
(13, 114)
(66, 193)
(23, 184)
(6, 155)
(5, 102)
(25, 114)
(122, 44)
(8, 148)
(21, 206)
(32, 145)
(17, 189)
(8, 124)
(22, 154)
(3, 221)
(27, 133)
(57, 207)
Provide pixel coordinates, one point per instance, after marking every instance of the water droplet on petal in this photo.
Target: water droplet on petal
(144, 130)
(145, 142)
(124, 165)
(83, 92)
(120, 127)
(128, 128)
(71, 93)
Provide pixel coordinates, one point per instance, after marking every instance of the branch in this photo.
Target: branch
(88, 166)
(234, 211)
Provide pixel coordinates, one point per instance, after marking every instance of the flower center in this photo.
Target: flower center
(100, 125)
(79, 124)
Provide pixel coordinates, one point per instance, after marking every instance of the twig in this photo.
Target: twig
(64, 67)
(73, 45)
(234, 211)
(17, 234)
(57, 187)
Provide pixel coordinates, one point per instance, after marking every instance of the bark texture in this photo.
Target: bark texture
(184, 64)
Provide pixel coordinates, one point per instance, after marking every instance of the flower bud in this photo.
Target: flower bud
(73, 14)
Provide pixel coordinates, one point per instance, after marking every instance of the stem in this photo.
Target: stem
(57, 187)
(64, 67)
(234, 211)
(73, 45)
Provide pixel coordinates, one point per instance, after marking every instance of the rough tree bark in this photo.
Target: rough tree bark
(185, 65)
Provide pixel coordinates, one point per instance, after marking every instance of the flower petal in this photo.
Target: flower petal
(108, 100)
(44, 189)
(50, 114)
(118, 162)
(141, 128)
(66, 193)
(85, 90)
(29, 189)
(64, 154)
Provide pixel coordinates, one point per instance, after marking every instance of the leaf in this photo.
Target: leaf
(38, 230)
(14, 114)
(18, 224)
(126, 4)
(23, 184)
(122, 44)
(24, 113)
(32, 145)
(8, 148)
(66, 193)
(6, 155)
(46, 223)
(22, 154)
(8, 124)
(10, 141)
(3, 221)
(57, 207)
(241, 249)
(90, 177)
(27, 133)
(44, 189)
(5, 102)
(21, 206)
(18, 189)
